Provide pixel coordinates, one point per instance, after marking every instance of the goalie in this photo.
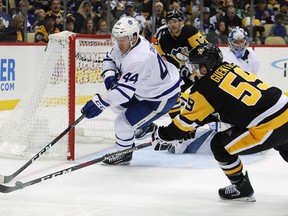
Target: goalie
(258, 113)
(141, 86)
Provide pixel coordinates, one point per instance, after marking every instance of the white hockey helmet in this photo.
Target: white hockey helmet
(126, 26)
(238, 41)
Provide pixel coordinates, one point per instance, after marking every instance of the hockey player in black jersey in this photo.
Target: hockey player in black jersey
(257, 111)
(173, 43)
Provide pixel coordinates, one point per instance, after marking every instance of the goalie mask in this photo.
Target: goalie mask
(238, 41)
(206, 54)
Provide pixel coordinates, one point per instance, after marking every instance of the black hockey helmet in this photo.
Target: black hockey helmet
(207, 54)
(174, 14)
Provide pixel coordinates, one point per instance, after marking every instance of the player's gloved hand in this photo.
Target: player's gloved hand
(158, 143)
(94, 107)
(110, 79)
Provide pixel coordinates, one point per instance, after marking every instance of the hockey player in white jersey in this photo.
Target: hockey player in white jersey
(141, 86)
(240, 53)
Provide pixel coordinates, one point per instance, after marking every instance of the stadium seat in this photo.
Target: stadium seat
(266, 32)
(274, 40)
(31, 37)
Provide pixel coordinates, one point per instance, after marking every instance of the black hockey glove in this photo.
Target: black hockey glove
(160, 144)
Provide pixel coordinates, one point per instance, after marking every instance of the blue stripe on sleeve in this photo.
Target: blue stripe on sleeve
(169, 90)
(127, 86)
(122, 92)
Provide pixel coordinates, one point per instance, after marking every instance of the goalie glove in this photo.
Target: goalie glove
(94, 107)
(160, 144)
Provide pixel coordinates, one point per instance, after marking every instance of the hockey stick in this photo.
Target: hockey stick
(20, 185)
(6, 179)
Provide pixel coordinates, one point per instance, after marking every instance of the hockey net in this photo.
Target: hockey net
(71, 76)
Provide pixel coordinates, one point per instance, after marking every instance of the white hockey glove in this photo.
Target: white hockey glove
(159, 144)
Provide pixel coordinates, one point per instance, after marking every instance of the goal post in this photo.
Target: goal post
(70, 77)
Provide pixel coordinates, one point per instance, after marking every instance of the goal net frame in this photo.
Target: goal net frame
(72, 82)
(67, 63)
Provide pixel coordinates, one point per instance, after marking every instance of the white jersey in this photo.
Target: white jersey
(144, 74)
(249, 62)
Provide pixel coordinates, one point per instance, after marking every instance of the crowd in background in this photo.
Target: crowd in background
(213, 18)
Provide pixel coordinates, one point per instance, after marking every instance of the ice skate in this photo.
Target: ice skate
(146, 131)
(241, 191)
(119, 159)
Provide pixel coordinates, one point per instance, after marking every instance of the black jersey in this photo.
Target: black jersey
(175, 49)
(235, 97)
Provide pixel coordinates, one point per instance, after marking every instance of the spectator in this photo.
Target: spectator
(207, 25)
(89, 27)
(216, 7)
(96, 6)
(216, 12)
(102, 27)
(283, 10)
(24, 7)
(174, 5)
(55, 9)
(220, 35)
(15, 30)
(257, 27)
(160, 17)
(187, 22)
(70, 23)
(240, 12)
(231, 19)
(186, 7)
(73, 5)
(83, 13)
(263, 13)
(41, 4)
(39, 15)
(49, 27)
(104, 15)
(6, 18)
(2, 31)
(130, 12)
(278, 28)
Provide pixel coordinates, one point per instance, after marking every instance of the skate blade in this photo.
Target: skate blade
(242, 199)
(118, 164)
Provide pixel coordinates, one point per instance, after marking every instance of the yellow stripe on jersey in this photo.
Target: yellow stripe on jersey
(256, 135)
(197, 108)
(159, 49)
(197, 39)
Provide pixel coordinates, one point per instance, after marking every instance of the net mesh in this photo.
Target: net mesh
(43, 113)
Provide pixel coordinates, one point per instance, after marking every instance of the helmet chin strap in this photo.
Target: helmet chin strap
(196, 71)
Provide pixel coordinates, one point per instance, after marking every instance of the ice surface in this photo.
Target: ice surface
(155, 184)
